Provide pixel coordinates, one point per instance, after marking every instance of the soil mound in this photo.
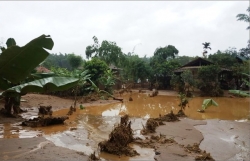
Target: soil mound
(152, 123)
(202, 154)
(119, 139)
(44, 121)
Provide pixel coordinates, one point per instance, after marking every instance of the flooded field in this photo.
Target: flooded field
(86, 128)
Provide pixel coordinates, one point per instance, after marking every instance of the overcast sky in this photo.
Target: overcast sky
(143, 25)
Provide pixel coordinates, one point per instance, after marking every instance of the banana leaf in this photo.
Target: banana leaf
(16, 62)
(42, 75)
(42, 85)
(240, 93)
(208, 102)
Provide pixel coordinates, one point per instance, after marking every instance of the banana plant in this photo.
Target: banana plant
(207, 103)
(241, 93)
(17, 63)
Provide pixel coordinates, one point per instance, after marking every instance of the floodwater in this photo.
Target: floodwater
(86, 128)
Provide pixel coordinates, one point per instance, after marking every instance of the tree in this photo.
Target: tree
(206, 46)
(57, 60)
(15, 67)
(108, 80)
(245, 52)
(225, 60)
(184, 59)
(166, 52)
(244, 17)
(96, 68)
(107, 51)
(75, 60)
(92, 49)
(136, 68)
(189, 82)
(208, 80)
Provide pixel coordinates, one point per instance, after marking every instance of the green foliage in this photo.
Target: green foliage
(41, 85)
(166, 52)
(208, 80)
(184, 59)
(96, 68)
(57, 60)
(239, 93)
(136, 68)
(82, 107)
(244, 17)
(74, 60)
(238, 69)
(10, 42)
(225, 60)
(92, 49)
(246, 78)
(207, 103)
(183, 101)
(177, 83)
(108, 80)
(108, 51)
(81, 87)
(187, 78)
(14, 70)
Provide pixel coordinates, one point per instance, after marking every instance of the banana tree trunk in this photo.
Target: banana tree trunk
(12, 102)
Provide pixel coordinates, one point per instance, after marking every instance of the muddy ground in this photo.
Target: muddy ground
(224, 140)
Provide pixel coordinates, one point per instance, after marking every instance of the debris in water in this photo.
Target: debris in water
(119, 139)
(45, 110)
(152, 123)
(71, 110)
(181, 114)
(41, 121)
(92, 157)
(130, 98)
(203, 155)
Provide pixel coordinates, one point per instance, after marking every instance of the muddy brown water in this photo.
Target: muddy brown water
(86, 128)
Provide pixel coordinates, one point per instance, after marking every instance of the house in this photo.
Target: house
(224, 76)
(41, 69)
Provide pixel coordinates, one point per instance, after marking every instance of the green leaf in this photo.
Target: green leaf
(207, 103)
(81, 107)
(16, 62)
(240, 93)
(42, 85)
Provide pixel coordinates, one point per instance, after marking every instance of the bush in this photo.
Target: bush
(208, 81)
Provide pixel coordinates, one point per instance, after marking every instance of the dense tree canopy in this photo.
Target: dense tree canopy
(166, 52)
(96, 68)
(107, 51)
(224, 59)
(75, 60)
(136, 68)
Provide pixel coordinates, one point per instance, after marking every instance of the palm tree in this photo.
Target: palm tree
(206, 46)
(244, 17)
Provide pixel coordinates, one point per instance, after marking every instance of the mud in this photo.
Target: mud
(119, 139)
(80, 134)
(152, 123)
(44, 121)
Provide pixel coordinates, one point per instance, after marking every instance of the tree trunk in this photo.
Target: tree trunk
(12, 102)
(8, 105)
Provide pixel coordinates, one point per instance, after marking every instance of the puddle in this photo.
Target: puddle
(94, 124)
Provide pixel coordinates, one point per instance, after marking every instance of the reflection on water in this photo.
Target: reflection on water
(145, 107)
(94, 124)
